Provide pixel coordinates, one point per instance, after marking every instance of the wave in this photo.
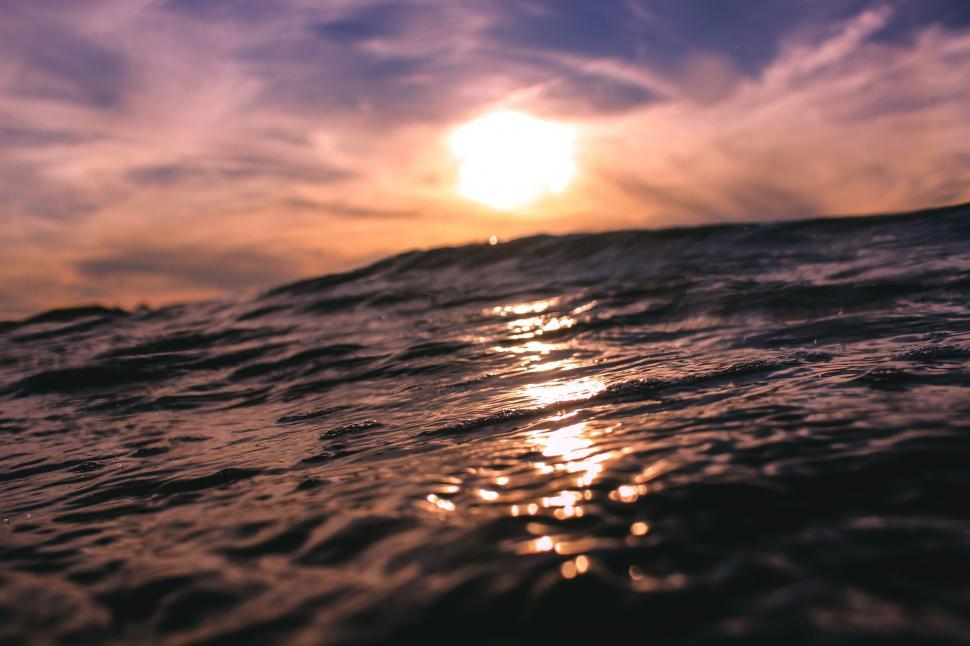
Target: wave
(725, 434)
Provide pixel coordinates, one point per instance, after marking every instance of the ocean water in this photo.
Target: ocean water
(722, 435)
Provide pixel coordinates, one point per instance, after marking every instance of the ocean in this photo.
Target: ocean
(731, 434)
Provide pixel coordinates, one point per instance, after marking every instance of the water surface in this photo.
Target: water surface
(731, 434)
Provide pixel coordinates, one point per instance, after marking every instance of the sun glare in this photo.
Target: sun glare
(510, 159)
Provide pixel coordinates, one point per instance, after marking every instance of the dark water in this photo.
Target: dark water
(733, 434)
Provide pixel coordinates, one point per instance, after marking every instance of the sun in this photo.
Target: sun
(510, 159)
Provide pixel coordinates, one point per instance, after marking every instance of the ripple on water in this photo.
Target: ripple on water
(716, 435)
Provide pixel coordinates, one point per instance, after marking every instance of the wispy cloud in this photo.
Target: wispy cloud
(293, 136)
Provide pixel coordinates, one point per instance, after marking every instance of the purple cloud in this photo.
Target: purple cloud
(317, 130)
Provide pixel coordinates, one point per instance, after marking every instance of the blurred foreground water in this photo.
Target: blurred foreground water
(730, 434)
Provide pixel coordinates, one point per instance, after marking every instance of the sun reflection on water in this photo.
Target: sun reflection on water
(537, 348)
(527, 328)
(639, 528)
(554, 392)
(533, 319)
(440, 504)
(570, 453)
(488, 495)
(573, 568)
(520, 309)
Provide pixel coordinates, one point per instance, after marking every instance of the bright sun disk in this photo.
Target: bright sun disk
(509, 159)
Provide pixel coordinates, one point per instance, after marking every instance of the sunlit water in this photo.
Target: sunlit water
(736, 434)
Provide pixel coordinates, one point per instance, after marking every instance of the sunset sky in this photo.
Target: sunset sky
(159, 150)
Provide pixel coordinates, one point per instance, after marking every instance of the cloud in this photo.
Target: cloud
(286, 136)
(30, 137)
(348, 209)
(565, 89)
(379, 21)
(846, 124)
(570, 26)
(50, 61)
(243, 11)
(229, 169)
(190, 267)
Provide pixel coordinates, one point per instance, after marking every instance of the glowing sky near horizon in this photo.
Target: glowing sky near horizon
(161, 150)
